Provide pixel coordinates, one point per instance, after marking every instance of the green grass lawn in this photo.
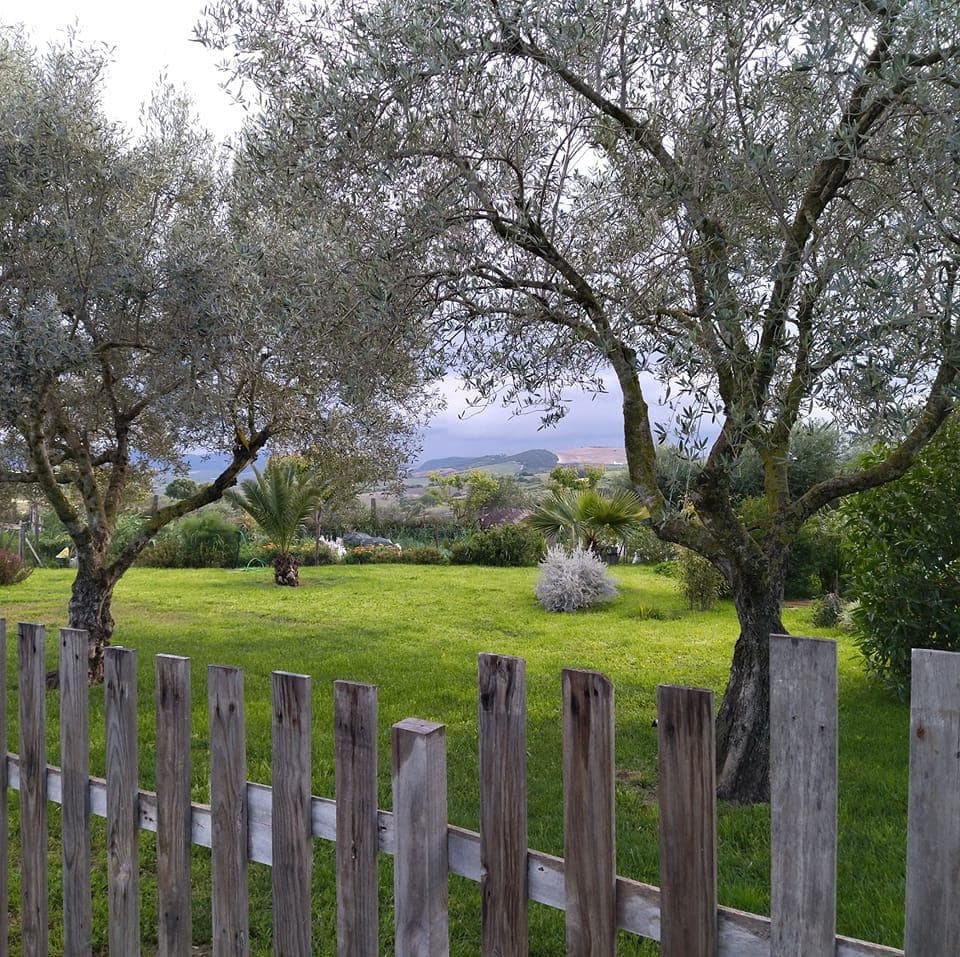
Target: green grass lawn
(415, 632)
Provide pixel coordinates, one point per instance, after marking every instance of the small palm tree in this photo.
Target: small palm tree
(588, 517)
(279, 499)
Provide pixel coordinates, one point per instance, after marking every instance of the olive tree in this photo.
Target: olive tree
(751, 203)
(152, 302)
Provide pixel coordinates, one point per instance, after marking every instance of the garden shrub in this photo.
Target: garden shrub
(827, 611)
(505, 546)
(12, 570)
(700, 583)
(424, 555)
(373, 555)
(643, 546)
(163, 551)
(208, 540)
(902, 544)
(571, 581)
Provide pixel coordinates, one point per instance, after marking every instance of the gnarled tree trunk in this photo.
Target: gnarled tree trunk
(89, 609)
(743, 723)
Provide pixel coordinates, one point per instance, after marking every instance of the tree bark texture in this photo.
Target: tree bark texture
(286, 570)
(743, 722)
(89, 609)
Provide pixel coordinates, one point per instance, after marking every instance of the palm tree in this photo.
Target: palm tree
(588, 517)
(279, 499)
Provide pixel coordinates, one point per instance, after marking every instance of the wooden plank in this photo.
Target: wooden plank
(123, 886)
(228, 812)
(292, 837)
(75, 792)
(4, 799)
(589, 829)
(420, 823)
(503, 805)
(173, 805)
(638, 905)
(933, 821)
(355, 747)
(686, 762)
(803, 797)
(33, 791)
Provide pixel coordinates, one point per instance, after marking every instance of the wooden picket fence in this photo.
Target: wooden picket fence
(277, 826)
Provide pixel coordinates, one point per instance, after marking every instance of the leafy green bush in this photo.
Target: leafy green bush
(208, 540)
(827, 611)
(424, 555)
(163, 551)
(669, 569)
(506, 546)
(373, 555)
(643, 546)
(572, 581)
(700, 583)
(902, 544)
(12, 570)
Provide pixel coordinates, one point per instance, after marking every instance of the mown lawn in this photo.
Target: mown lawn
(416, 632)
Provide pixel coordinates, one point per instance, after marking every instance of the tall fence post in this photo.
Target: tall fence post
(123, 811)
(933, 821)
(803, 796)
(174, 811)
(420, 822)
(33, 791)
(589, 828)
(503, 805)
(686, 761)
(228, 812)
(4, 804)
(355, 746)
(292, 824)
(75, 778)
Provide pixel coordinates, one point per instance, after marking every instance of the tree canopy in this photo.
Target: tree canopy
(753, 203)
(154, 301)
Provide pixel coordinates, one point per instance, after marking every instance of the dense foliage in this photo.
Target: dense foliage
(903, 556)
(506, 546)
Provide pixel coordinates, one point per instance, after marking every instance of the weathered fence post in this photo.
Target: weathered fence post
(33, 791)
(420, 822)
(4, 806)
(355, 746)
(174, 811)
(228, 812)
(75, 786)
(123, 800)
(589, 829)
(292, 824)
(933, 823)
(803, 796)
(503, 805)
(686, 761)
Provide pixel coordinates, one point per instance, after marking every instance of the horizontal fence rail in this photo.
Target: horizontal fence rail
(249, 822)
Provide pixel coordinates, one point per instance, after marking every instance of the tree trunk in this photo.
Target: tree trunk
(89, 609)
(743, 724)
(286, 570)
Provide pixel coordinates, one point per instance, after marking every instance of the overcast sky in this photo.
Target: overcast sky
(154, 39)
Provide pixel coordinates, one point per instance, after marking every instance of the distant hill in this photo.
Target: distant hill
(533, 460)
(593, 455)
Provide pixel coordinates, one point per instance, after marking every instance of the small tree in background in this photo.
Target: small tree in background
(902, 544)
(181, 488)
(278, 499)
